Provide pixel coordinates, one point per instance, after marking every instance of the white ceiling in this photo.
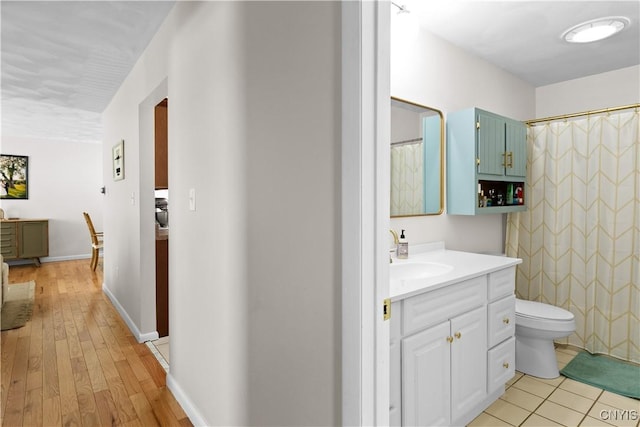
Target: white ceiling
(524, 37)
(62, 61)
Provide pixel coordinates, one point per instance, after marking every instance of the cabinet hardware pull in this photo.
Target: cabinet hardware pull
(504, 159)
(505, 365)
(505, 320)
(510, 157)
(457, 335)
(449, 339)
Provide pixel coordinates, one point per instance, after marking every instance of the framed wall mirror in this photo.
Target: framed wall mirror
(417, 157)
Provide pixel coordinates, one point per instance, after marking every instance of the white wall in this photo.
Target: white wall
(433, 72)
(293, 191)
(64, 181)
(254, 128)
(606, 90)
(129, 267)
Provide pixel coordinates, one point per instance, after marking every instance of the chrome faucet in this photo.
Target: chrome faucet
(396, 241)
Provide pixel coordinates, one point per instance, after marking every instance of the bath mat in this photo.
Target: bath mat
(604, 372)
(18, 305)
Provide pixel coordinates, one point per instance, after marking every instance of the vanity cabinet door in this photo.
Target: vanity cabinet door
(491, 139)
(468, 360)
(395, 368)
(516, 145)
(426, 377)
(502, 146)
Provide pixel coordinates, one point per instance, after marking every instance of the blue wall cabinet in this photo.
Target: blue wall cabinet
(486, 163)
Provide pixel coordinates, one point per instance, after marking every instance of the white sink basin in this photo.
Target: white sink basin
(417, 270)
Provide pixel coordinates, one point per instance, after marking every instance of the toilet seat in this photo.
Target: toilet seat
(543, 317)
(539, 310)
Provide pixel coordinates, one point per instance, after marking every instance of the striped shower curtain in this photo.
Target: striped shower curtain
(407, 179)
(580, 237)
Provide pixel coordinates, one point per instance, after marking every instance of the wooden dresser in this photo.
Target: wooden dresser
(24, 239)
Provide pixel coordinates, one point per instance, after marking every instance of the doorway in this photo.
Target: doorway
(162, 216)
(160, 347)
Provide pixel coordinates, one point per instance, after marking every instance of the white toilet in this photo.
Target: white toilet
(537, 325)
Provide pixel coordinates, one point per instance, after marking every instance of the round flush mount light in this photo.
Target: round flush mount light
(596, 29)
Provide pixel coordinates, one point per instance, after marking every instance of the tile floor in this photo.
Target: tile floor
(160, 349)
(531, 401)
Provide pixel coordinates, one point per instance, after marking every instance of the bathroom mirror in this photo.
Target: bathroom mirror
(417, 156)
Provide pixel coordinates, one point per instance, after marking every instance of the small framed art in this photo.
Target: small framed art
(117, 155)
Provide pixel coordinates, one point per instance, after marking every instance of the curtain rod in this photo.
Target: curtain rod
(407, 141)
(584, 113)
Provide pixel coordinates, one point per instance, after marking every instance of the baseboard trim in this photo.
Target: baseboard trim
(140, 337)
(187, 405)
(25, 261)
(65, 258)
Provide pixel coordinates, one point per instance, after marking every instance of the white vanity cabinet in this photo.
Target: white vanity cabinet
(449, 347)
(501, 328)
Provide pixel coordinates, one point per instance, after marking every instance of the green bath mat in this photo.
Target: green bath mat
(606, 373)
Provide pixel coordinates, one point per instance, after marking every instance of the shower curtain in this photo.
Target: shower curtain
(580, 237)
(407, 179)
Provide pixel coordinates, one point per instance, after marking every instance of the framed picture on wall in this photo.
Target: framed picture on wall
(14, 177)
(118, 161)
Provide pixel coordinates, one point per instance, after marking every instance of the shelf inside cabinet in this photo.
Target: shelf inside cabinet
(500, 194)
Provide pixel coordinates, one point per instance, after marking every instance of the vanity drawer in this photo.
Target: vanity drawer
(442, 304)
(501, 365)
(502, 283)
(502, 320)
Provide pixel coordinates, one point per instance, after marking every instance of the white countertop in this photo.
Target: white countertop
(466, 265)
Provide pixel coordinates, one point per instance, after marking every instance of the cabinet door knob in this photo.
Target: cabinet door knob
(457, 335)
(505, 320)
(505, 365)
(449, 339)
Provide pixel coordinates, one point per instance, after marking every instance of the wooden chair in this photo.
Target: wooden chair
(96, 241)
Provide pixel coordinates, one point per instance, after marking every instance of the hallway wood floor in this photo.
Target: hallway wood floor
(76, 363)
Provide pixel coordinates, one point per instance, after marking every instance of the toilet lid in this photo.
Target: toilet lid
(540, 310)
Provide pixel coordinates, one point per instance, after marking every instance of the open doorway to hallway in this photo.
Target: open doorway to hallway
(160, 347)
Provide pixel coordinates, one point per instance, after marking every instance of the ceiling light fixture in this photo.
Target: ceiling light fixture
(401, 9)
(596, 29)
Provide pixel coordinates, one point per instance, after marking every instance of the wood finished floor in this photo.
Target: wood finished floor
(76, 363)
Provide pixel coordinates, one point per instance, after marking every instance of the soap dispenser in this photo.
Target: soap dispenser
(403, 247)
